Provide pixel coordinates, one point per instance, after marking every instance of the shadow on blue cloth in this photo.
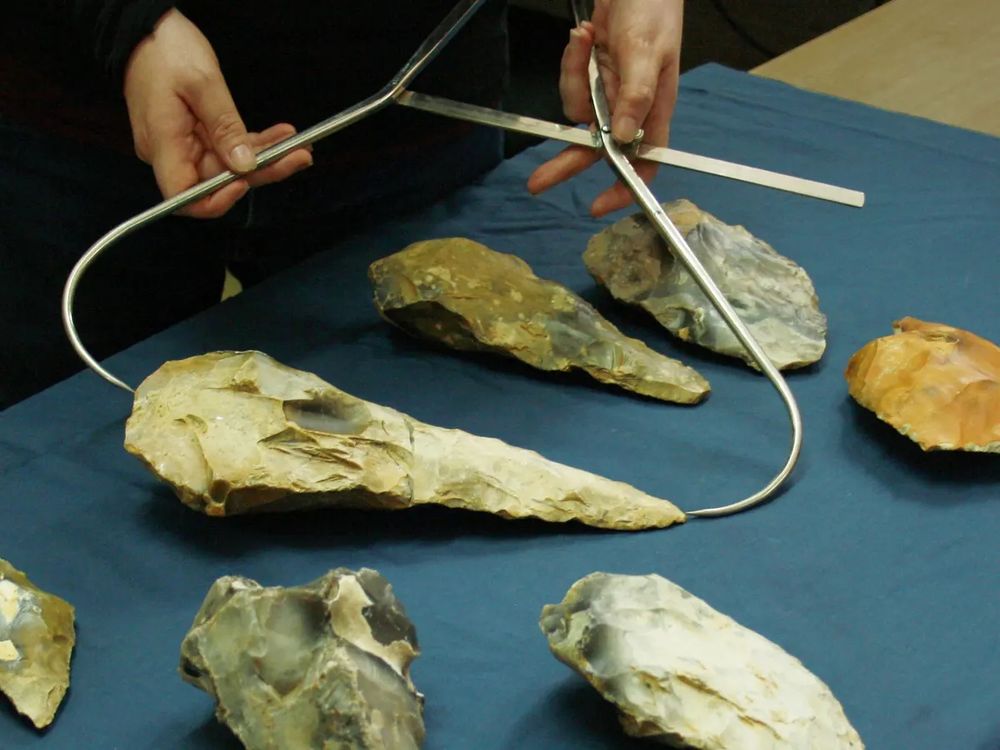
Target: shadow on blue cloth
(337, 528)
(212, 735)
(405, 344)
(899, 463)
(574, 705)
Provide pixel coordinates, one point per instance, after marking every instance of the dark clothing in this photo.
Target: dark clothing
(110, 29)
(57, 197)
(68, 173)
(299, 61)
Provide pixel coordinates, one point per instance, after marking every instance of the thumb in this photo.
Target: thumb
(213, 106)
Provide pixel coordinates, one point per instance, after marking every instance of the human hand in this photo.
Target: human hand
(186, 125)
(638, 52)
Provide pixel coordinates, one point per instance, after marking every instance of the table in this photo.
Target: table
(877, 566)
(919, 57)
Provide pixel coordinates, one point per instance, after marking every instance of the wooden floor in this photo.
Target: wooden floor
(930, 58)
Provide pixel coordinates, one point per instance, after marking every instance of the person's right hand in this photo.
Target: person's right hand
(185, 123)
(638, 45)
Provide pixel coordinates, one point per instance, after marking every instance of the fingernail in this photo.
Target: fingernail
(305, 166)
(242, 158)
(625, 129)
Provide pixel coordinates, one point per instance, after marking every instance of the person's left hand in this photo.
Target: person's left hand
(638, 44)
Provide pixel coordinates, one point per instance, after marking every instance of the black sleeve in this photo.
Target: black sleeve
(110, 29)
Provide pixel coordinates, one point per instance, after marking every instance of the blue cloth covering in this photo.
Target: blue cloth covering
(877, 566)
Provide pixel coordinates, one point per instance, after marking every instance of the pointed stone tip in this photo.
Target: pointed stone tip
(37, 635)
(470, 297)
(687, 675)
(240, 433)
